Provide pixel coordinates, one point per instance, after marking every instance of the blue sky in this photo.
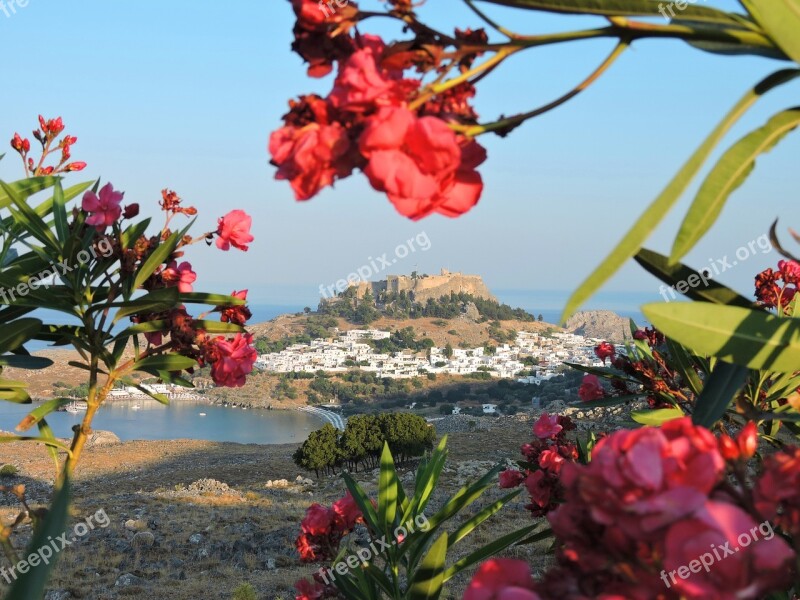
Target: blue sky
(184, 94)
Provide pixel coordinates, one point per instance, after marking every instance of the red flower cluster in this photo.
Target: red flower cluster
(502, 579)
(651, 501)
(47, 136)
(651, 372)
(776, 289)
(370, 121)
(777, 492)
(544, 458)
(605, 350)
(591, 388)
(323, 528)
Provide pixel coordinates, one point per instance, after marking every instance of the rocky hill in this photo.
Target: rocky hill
(602, 324)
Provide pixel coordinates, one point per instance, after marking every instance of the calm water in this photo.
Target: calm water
(181, 419)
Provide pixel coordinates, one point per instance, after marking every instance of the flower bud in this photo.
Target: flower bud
(130, 211)
(748, 440)
(76, 166)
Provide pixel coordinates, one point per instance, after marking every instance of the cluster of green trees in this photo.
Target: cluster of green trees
(402, 339)
(361, 442)
(401, 305)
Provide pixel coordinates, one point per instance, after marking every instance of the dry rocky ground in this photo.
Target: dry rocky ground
(193, 519)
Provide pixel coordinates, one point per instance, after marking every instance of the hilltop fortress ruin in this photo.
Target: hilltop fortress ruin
(422, 287)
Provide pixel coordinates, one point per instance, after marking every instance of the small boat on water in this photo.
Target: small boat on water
(202, 414)
(76, 407)
(136, 407)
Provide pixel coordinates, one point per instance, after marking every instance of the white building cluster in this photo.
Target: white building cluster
(350, 351)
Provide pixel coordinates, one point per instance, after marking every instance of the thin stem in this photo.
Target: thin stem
(490, 22)
(511, 122)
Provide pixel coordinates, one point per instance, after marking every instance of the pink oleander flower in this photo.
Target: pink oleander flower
(311, 157)
(362, 84)
(180, 275)
(777, 492)
(750, 560)
(103, 208)
(502, 579)
(591, 389)
(318, 520)
(605, 350)
(309, 590)
(511, 478)
(234, 230)
(643, 480)
(239, 314)
(232, 360)
(347, 512)
(421, 164)
(547, 426)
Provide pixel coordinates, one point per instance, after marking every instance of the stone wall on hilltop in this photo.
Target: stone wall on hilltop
(428, 286)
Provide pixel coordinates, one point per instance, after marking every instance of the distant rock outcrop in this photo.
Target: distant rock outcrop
(602, 324)
(422, 287)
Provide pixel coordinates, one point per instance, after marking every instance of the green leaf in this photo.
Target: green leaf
(25, 188)
(158, 397)
(619, 8)
(27, 218)
(25, 361)
(39, 413)
(164, 362)
(156, 259)
(683, 363)
(696, 285)
(469, 526)
(46, 432)
(60, 213)
(728, 174)
(429, 575)
(781, 20)
(489, 550)
(647, 222)
(656, 417)
(31, 584)
(133, 233)
(751, 338)
(17, 396)
(156, 301)
(217, 326)
(362, 500)
(16, 333)
(388, 483)
(210, 299)
(720, 389)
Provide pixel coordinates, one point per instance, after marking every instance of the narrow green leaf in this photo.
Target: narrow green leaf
(469, 526)
(364, 504)
(164, 362)
(687, 281)
(620, 8)
(60, 213)
(684, 364)
(781, 20)
(31, 584)
(39, 413)
(656, 417)
(387, 490)
(16, 333)
(751, 338)
(156, 259)
(25, 361)
(429, 576)
(728, 174)
(158, 397)
(720, 389)
(647, 222)
(489, 550)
